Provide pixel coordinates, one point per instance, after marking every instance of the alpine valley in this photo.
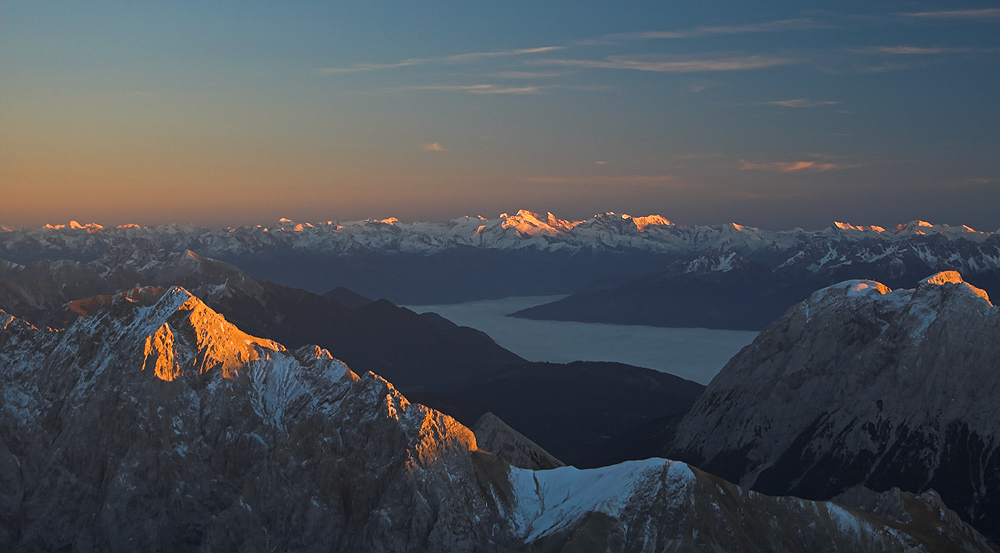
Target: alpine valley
(236, 389)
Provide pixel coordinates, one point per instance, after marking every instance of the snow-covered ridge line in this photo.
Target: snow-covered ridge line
(523, 230)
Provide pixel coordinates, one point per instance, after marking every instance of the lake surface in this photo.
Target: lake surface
(693, 353)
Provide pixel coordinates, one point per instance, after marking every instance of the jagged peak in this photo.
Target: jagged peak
(944, 277)
(217, 344)
(916, 223)
(528, 222)
(74, 225)
(391, 221)
(919, 226)
(561, 224)
(432, 434)
(859, 228)
(740, 228)
(954, 278)
(649, 221)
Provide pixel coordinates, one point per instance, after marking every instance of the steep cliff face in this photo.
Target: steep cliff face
(495, 436)
(166, 428)
(156, 425)
(861, 385)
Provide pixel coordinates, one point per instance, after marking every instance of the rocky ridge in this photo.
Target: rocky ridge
(495, 436)
(863, 385)
(155, 425)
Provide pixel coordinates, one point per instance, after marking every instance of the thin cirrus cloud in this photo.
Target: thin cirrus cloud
(910, 50)
(686, 66)
(529, 74)
(801, 103)
(792, 166)
(766, 27)
(475, 89)
(641, 180)
(986, 13)
(456, 58)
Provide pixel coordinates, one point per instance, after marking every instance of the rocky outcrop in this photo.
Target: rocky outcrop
(862, 385)
(164, 428)
(495, 436)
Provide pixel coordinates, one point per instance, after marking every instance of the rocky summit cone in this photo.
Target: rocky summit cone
(863, 385)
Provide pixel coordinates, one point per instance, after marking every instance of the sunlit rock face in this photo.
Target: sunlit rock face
(862, 385)
(248, 446)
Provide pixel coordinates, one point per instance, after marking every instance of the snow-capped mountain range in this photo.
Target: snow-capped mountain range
(523, 230)
(154, 424)
(473, 258)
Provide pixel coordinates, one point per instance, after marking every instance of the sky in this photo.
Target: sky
(770, 114)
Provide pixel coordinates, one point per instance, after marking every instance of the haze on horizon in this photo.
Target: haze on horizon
(774, 115)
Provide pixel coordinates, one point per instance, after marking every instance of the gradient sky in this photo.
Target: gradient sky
(772, 114)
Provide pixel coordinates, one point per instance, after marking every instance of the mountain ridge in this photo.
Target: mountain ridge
(292, 450)
(867, 386)
(472, 258)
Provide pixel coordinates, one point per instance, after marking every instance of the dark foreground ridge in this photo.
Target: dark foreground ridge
(162, 427)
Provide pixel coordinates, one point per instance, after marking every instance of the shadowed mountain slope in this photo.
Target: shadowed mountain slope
(862, 385)
(570, 409)
(156, 425)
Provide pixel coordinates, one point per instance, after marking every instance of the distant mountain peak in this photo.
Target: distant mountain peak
(73, 225)
(954, 278)
(648, 221)
(858, 228)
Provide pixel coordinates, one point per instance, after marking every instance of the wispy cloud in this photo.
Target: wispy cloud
(476, 89)
(700, 155)
(643, 180)
(528, 74)
(801, 103)
(455, 58)
(686, 66)
(793, 166)
(910, 50)
(368, 67)
(432, 147)
(766, 27)
(986, 13)
(474, 56)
